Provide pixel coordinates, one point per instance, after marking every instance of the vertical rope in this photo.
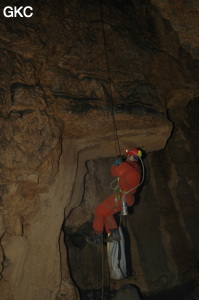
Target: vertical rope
(117, 144)
(102, 249)
(116, 138)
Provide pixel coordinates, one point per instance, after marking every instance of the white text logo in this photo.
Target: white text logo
(13, 12)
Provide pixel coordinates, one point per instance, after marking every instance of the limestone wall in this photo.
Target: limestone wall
(63, 73)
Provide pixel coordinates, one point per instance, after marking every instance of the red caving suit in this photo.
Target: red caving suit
(129, 174)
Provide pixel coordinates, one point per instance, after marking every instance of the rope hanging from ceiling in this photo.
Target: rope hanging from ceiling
(116, 138)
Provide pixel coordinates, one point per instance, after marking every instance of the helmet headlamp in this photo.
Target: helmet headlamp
(134, 151)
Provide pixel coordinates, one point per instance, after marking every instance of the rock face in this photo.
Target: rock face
(129, 292)
(163, 226)
(81, 81)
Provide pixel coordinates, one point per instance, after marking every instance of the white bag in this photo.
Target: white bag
(117, 258)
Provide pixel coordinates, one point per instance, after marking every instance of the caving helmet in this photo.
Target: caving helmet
(134, 151)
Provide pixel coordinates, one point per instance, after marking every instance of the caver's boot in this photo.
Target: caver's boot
(95, 239)
(114, 236)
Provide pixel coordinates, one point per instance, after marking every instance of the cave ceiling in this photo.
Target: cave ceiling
(75, 63)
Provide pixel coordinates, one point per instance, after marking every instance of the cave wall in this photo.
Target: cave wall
(168, 246)
(56, 114)
(164, 223)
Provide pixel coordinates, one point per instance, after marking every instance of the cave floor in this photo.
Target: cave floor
(179, 293)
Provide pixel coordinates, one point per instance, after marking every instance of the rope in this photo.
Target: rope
(116, 138)
(143, 175)
(102, 249)
(117, 144)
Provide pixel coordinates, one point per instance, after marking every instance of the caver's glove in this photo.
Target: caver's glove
(117, 162)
